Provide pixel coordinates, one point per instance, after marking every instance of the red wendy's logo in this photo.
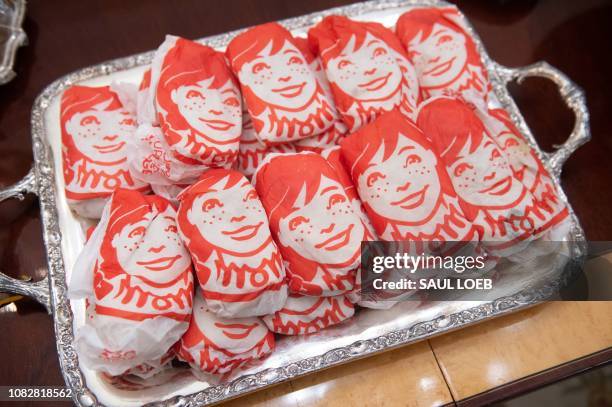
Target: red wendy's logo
(316, 224)
(198, 103)
(284, 96)
(367, 68)
(444, 55)
(238, 264)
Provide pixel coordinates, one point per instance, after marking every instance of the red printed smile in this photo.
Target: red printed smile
(241, 331)
(290, 91)
(412, 200)
(110, 148)
(163, 263)
(499, 188)
(375, 84)
(337, 241)
(440, 69)
(220, 125)
(243, 233)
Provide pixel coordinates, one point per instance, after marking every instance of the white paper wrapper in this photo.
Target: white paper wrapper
(198, 102)
(492, 196)
(251, 151)
(367, 67)
(217, 345)
(149, 372)
(239, 267)
(96, 129)
(304, 314)
(117, 345)
(282, 92)
(316, 225)
(329, 139)
(152, 160)
(136, 277)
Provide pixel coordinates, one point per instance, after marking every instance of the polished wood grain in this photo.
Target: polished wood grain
(494, 353)
(70, 34)
(407, 376)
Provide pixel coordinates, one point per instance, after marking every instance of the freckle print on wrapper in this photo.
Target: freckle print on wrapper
(136, 278)
(444, 55)
(284, 96)
(197, 101)
(95, 132)
(499, 204)
(367, 68)
(238, 265)
(316, 225)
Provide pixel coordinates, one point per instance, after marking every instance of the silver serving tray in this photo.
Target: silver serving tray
(369, 332)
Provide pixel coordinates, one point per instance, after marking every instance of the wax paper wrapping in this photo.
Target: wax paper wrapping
(218, 345)
(305, 314)
(152, 160)
(284, 96)
(136, 278)
(329, 139)
(317, 227)
(127, 94)
(198, 102)
(367, 68)
(491, 195)
(527, 168)
(444, 54)
(334, 158)
(145, 101)
(143, 374)
(251, 151)
(404, 185)
(95, 132)
(338, 130)
(239, 267)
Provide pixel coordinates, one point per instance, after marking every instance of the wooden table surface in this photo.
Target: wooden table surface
(573, 36)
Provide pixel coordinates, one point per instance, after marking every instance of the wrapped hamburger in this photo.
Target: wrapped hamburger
(136, 277)
(95, 132)
(224, 225)
(367, 68)
(284, 96)
(316, 225)
(305, 315)
(218, 345)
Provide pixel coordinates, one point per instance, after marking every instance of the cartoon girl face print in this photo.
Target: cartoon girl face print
(520, 158)
(483, 177)
(151, 248)
(405, 187)
(327, 229)
(368, 73)
(440, 58)
(283, 79)
(101, 135)
(217, 113)
(239, 225)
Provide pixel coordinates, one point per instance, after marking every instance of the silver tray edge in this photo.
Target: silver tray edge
(55, 295)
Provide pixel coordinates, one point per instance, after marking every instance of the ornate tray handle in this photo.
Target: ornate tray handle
(38, 290)
(572, 95)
